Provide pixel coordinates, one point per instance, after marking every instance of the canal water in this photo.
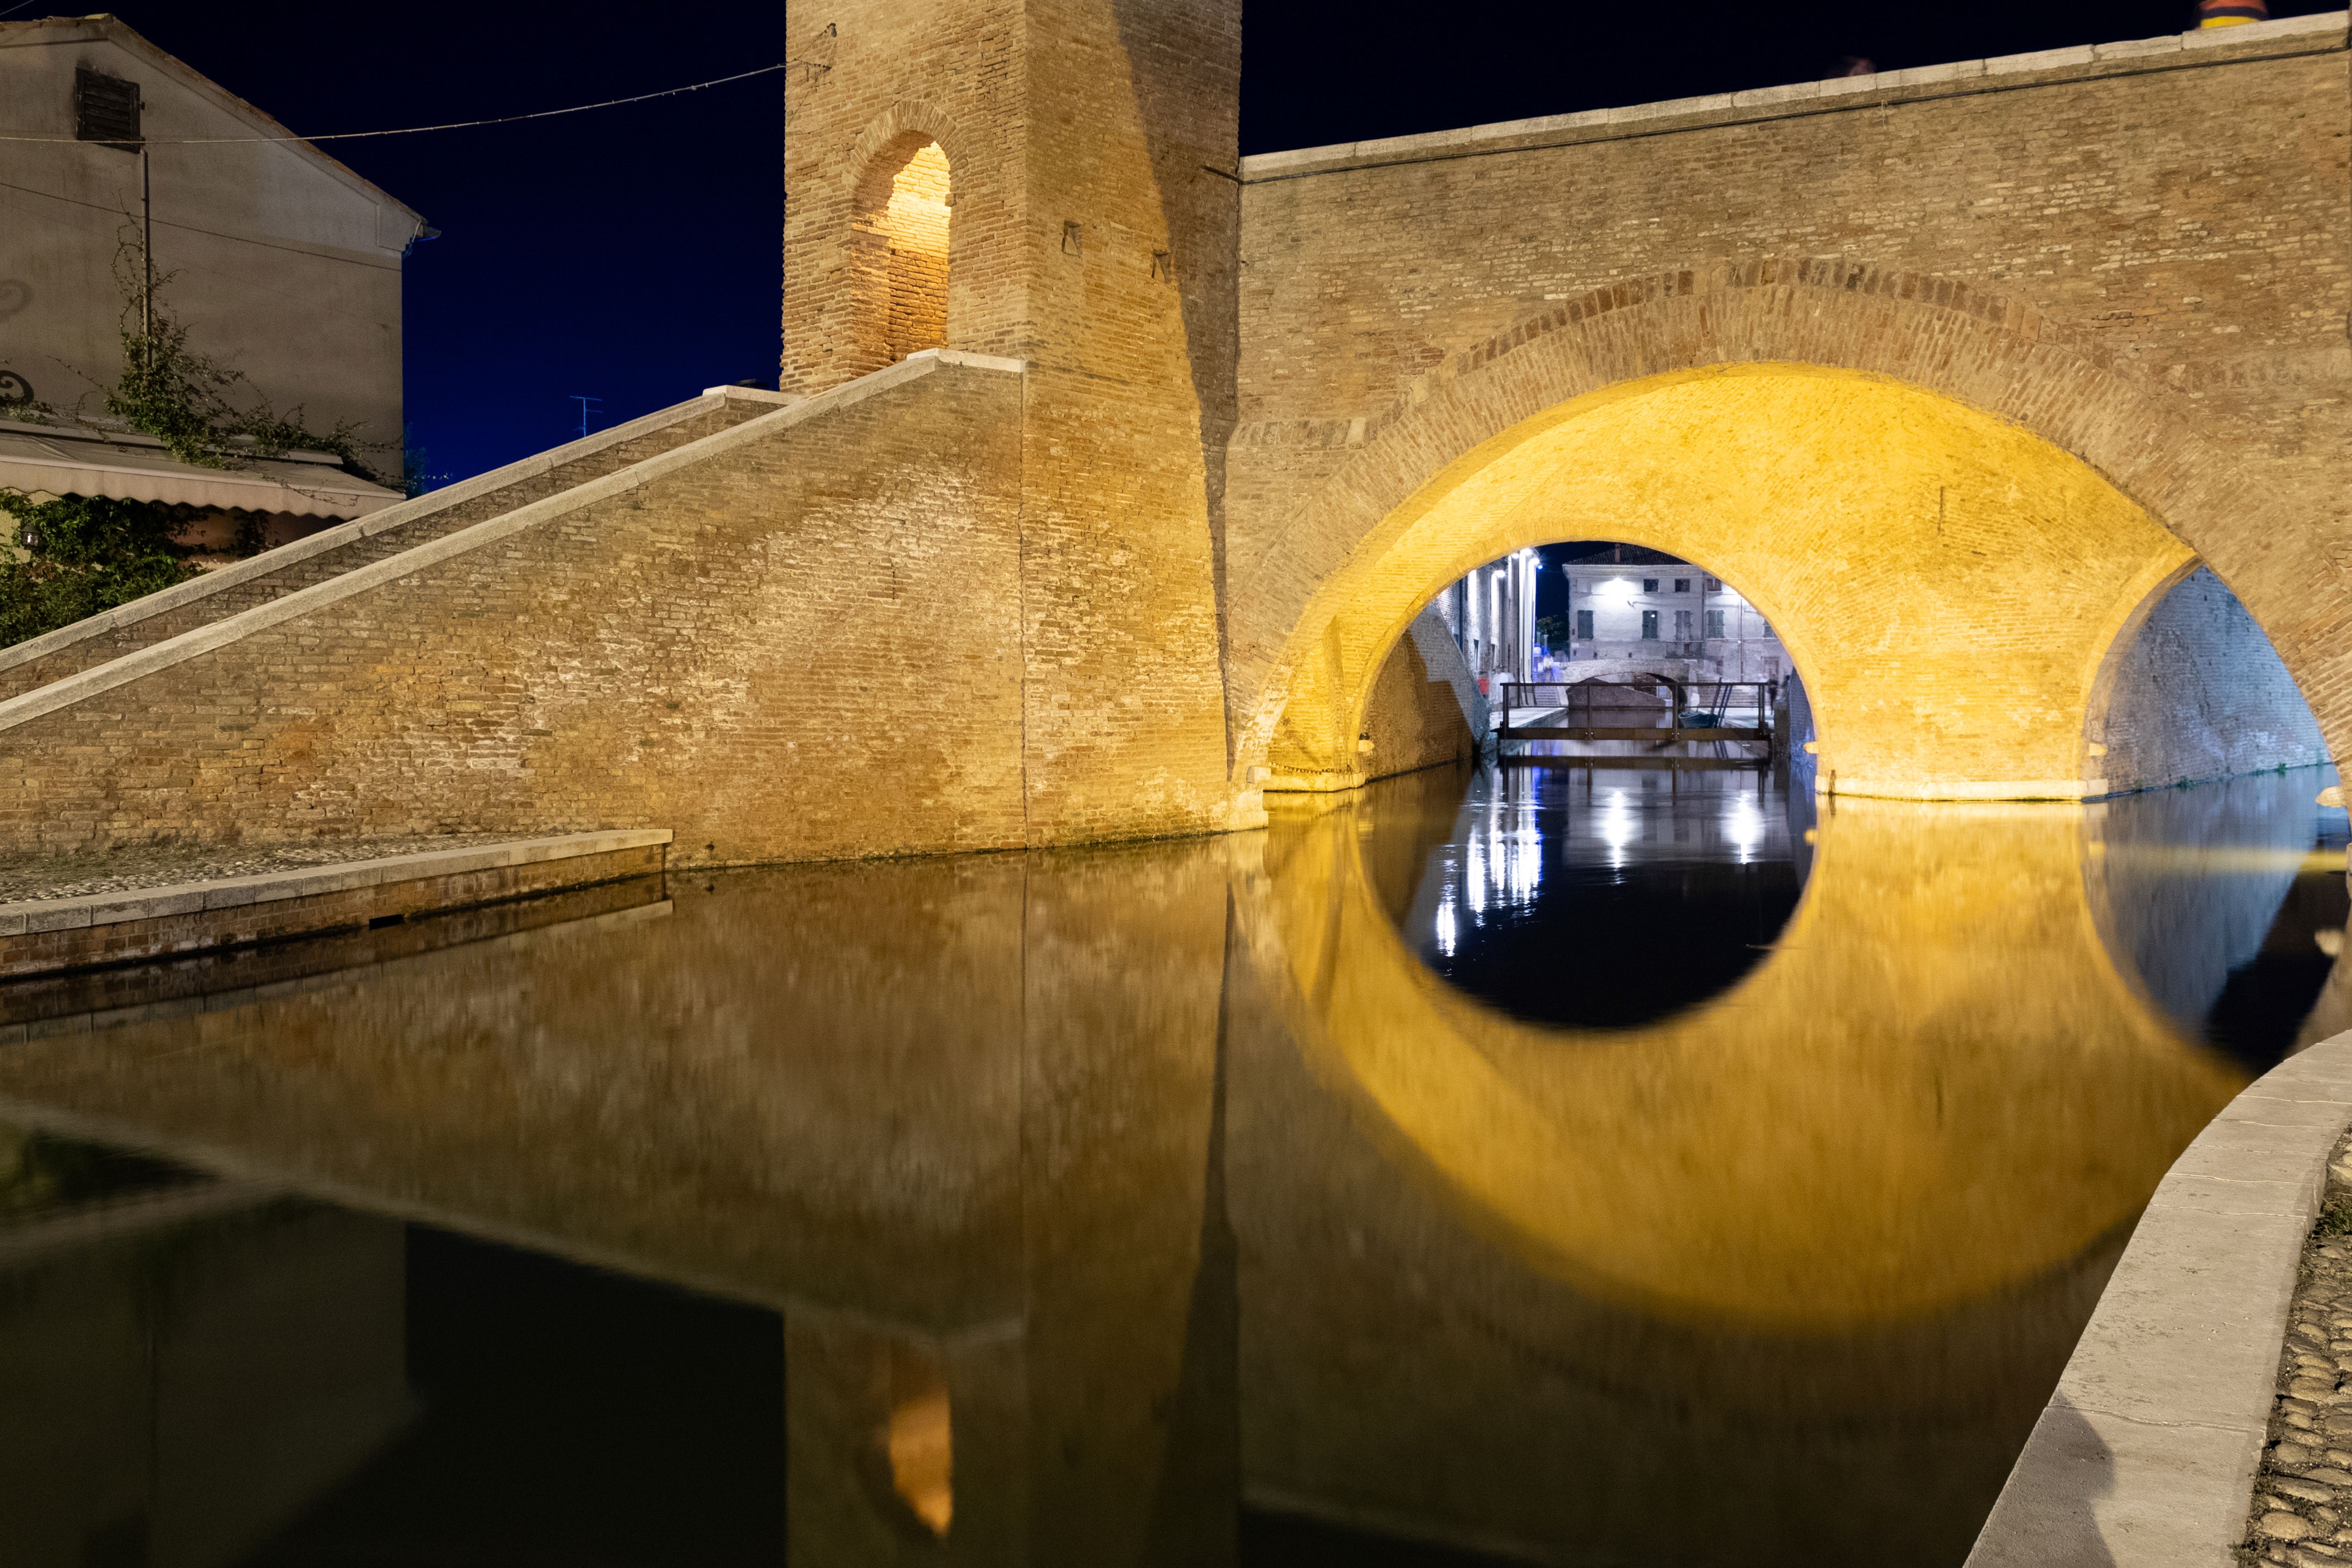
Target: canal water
(1558, 1164)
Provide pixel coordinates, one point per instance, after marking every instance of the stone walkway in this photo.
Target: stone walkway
(2302, 1512)
(162, 866)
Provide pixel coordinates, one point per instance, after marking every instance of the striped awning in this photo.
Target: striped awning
(74, 460)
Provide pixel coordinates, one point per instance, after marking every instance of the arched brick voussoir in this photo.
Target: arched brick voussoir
(1982, 349)
(906, 117)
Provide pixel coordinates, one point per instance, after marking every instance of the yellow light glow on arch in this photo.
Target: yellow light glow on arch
(1939, 1086)
(1948, 582)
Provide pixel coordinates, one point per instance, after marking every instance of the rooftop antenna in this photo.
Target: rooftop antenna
(586, 410)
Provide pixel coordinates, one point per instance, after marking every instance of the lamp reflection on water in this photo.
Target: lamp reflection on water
(921, 1444)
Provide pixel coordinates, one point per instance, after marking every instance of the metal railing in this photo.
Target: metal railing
(1660, 708)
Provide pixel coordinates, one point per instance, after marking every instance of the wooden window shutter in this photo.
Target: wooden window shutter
(105, 108)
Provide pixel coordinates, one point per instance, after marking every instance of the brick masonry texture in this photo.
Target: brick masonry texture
(2145, 264)
(2202, 695)
(1105, 597)
(1949, 584)
(722, 651)
(1086, 238)
(1421, 704)
(301, 570)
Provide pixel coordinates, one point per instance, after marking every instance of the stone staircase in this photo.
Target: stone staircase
(216, 595)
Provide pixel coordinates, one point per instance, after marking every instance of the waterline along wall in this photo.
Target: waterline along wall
(1207, 433)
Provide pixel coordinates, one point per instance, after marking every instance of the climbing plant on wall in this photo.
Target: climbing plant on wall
(190, 401)
(76, 556)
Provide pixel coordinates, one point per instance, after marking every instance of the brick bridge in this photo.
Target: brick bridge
(1960, 375)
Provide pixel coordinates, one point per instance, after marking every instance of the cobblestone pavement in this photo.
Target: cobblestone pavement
(164, 864)
(2302, 1512)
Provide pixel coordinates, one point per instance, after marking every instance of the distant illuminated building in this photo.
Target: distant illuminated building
(1655, 612)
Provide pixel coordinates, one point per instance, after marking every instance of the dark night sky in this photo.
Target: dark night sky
(631, 254)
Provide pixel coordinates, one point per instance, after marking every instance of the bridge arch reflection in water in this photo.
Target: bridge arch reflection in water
(1103, 1198)
(1948, 1077)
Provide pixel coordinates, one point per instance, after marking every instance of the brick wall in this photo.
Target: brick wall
(268, 577)
(803, 644)
(2139, 253)
(799, 648)
(1422, 703)
(2201, 694)
(1086, 238)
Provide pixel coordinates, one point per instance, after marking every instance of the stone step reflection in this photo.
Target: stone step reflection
(1166, 1203)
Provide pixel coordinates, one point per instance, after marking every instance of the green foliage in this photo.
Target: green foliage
(84, 554)
(182, 398)
(191, 402)
(30, 410)
(81, 555)
(2335, 1219)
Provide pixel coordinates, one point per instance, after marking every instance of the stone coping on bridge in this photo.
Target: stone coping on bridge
(72, 689)
(398, 515)
(2144, 1456)
(46, 936)
(2172, 51)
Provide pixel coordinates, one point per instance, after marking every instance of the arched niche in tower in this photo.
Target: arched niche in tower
(901, 248)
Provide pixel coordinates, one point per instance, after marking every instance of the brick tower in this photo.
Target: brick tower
(1050, 181)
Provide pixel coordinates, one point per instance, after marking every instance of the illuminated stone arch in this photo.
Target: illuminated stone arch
(1681, 382)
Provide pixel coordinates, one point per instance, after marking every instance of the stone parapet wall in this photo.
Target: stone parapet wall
(2147, 1452)
(143, 623)
(1371, 265)
(798, 638)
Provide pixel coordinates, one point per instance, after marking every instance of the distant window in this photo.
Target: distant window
(105, 108)
(1773, 668)
(1714, 623)
(1715, 584)
(1584, 626)
(1649, 584)
(1683, 626)
(1650, 626)
(1682, 584)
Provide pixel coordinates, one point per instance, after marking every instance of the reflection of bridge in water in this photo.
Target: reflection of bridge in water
(1170, 1184)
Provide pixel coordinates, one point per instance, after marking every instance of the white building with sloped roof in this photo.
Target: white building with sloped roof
(280, 262)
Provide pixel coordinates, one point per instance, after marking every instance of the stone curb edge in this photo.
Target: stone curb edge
(35, 915)
(2144, 1456)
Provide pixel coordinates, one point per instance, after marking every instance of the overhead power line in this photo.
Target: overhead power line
(419, 130)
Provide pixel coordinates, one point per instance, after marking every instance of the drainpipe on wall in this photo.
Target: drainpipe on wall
(147, 254)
